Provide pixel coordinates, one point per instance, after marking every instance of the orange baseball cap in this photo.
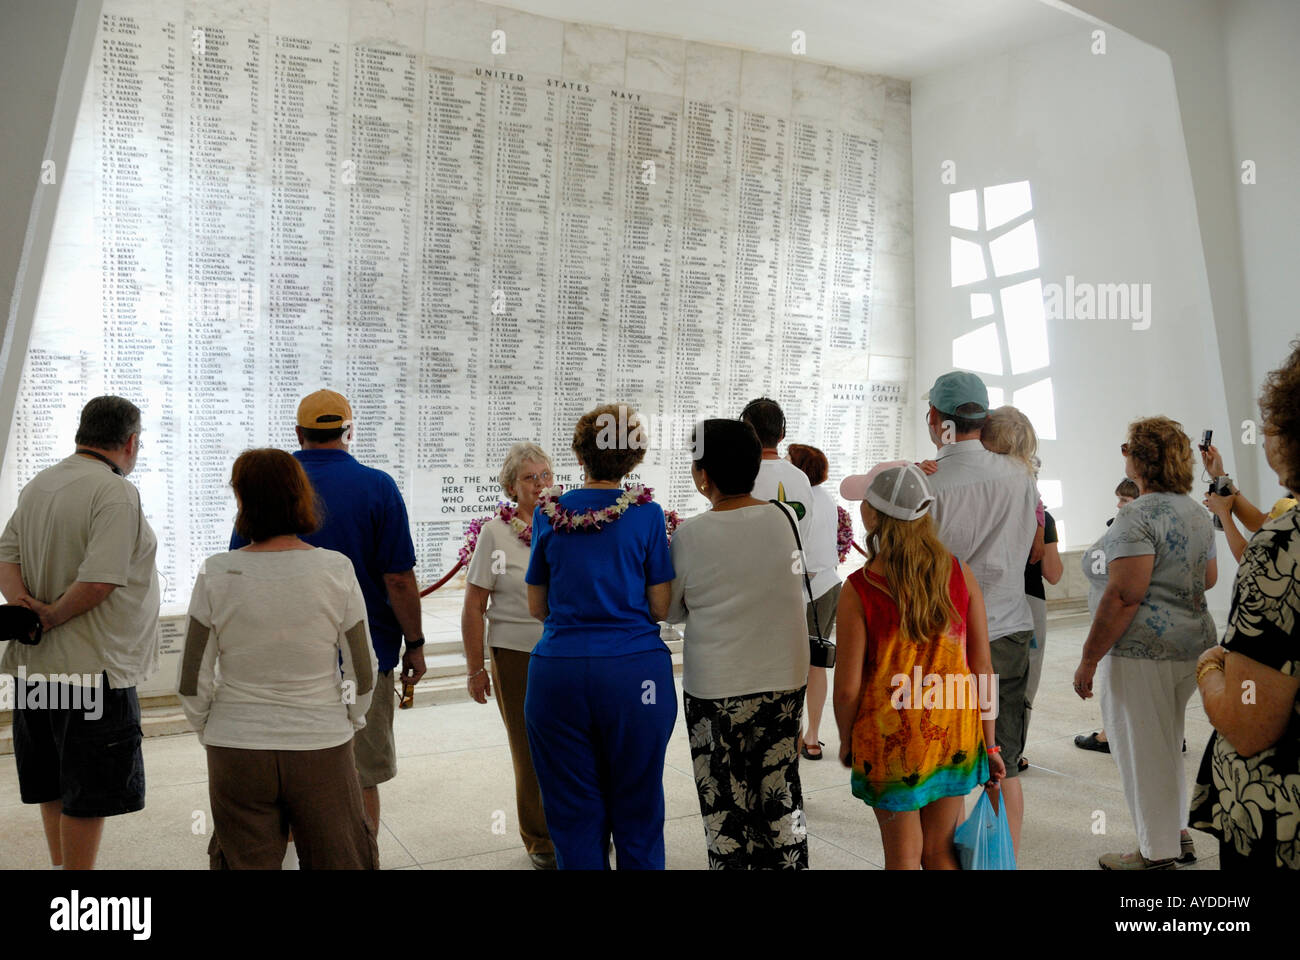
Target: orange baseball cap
(324, 410)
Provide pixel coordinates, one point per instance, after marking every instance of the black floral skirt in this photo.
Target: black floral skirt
(747, 776)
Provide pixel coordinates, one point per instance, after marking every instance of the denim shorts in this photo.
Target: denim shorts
(86, 755)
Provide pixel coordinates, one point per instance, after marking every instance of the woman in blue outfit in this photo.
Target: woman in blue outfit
(601, 702)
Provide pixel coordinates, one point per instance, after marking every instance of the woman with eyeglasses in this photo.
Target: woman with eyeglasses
(1148, 575)
(495, 591)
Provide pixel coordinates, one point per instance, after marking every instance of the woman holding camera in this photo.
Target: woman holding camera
(1248, 787)
(740, 596)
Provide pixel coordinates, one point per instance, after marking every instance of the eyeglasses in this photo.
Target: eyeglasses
(543, 477)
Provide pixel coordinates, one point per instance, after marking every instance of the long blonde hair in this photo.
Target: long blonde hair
(917, 570)
(1007, 430)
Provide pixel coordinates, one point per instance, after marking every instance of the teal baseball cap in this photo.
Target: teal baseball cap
(958, 388)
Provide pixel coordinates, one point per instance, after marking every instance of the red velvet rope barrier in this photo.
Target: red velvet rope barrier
(452, 572)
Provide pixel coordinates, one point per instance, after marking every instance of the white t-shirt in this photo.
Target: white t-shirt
(741, 602)
(823, 557)
(510, 625)
(263, 643)
(782, 480)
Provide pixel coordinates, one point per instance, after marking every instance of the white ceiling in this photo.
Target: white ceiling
(897, 38)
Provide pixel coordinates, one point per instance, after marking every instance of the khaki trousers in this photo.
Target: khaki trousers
(259, 795)
(510, 683)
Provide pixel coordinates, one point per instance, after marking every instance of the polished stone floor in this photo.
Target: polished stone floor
(452, 804)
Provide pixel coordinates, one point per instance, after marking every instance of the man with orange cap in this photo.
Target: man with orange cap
(364, 517)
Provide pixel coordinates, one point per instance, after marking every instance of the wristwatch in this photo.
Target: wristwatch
(415, 644)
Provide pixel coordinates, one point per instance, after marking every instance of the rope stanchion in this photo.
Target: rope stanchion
(450, 573)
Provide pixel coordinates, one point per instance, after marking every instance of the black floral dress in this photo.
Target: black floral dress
(1252, 804)
(747, 776)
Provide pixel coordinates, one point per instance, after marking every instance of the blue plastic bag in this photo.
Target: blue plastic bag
(984, 840)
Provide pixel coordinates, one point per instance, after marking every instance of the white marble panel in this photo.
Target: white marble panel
(459, 30)
(891, 281)
(234, 15)
(817, 91)
(147, 9)
(594, 54)
(310, 19)
(882, 367)
(898, 109)
(893, 232)
(863, 101)
(534, 45)
(387, 23)
(656, 64)
(893, 330)
(896, 170)
(712, 73)
(766, 83)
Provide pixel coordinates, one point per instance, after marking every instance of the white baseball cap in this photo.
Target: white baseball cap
(897, 489)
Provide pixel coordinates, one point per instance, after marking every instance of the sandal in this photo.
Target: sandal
(1090, 742)
(812, 756)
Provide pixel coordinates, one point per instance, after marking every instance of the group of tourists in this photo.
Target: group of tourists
(297, 637)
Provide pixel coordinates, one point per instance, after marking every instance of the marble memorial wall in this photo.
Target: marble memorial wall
(266, 197)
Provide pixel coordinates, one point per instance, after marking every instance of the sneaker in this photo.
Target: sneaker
(1133, 861)
(1187, 849)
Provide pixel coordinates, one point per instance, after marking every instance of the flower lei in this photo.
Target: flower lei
(843, 533)
(590, 521)
(507, 512)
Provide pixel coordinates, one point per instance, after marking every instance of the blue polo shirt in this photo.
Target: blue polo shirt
(364, 518)
(597, 581)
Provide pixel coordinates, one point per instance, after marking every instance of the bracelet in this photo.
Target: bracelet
(1207, 667)
(993, 749)
(473, 675)
(415, 644)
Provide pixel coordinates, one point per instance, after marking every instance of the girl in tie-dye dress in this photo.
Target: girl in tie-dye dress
(912, 672)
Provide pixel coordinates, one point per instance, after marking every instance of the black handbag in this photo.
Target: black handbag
(821, 652)
(20, 623)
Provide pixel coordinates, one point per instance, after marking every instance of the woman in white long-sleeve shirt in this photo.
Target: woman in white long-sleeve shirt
(276, 677)
(822, 556)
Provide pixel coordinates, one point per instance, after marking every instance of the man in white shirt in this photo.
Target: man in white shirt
(984, 511)
(781, 480)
